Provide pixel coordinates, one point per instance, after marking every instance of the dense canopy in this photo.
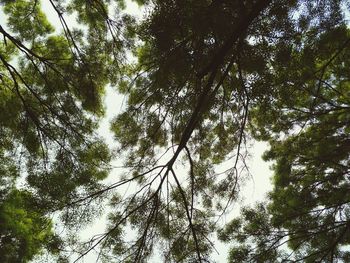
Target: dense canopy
(201, 79)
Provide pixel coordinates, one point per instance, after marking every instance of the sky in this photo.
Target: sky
(254, 190)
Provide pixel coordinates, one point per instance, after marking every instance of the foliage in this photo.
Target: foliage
(24, 231)
(200, 88)
(209, 76)
(51, 85)
(307, 127)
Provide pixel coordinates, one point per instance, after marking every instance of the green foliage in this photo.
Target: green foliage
(27, 19)
(206, 77)
(209, 75)
(51, 85)
(24, 231)
(306, 125)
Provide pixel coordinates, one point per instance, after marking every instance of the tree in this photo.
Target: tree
(308, 208)
(51, 85)
(279, 67)
(24, 231)
(196, 81)
(209, 76)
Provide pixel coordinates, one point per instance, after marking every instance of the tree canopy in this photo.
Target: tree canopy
(201, 79)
